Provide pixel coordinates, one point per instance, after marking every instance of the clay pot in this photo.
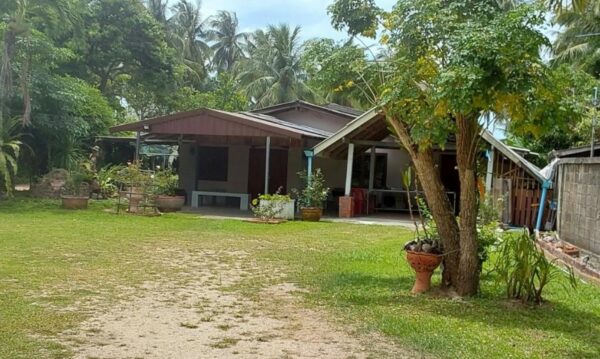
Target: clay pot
(169, 203)
(74, 202)
(311, 214)
(424, 264)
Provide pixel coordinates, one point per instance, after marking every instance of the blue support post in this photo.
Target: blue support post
(545, 186)
(309, 158)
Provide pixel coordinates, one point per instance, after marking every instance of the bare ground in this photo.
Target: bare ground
(200, 314)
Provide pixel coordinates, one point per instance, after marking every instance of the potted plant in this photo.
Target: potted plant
(424, 253)
(272, 208)
(166, 184)
(134, 183)
(311, 197)
(75, 192)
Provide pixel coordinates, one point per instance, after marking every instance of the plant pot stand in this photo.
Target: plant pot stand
(424, 264)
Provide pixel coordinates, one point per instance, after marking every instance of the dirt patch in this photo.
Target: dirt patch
(199, 316)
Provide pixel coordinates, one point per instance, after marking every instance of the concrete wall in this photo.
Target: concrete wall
(397, 161)
(237, 173)
(579, 202)
(187, 168)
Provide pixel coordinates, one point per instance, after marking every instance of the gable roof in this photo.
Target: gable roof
(581, 151)
(206, 121)
(372, 126)
(331, 108)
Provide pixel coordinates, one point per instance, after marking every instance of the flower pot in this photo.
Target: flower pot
(424, 264)
(286, 208)
(311, 214)
(170, 203)
(74, 202)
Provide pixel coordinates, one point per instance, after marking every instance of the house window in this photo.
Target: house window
(213, 163)
(360, 170)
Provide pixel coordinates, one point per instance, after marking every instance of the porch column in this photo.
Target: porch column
(137, 146)
(309, 160)
(372, 169)
(489, 176)
(349, 169)
(267, 155)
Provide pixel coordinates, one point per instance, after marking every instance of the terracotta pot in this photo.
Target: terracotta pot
(424, 264)
(311, 214)
(74, 202)
(170, 203)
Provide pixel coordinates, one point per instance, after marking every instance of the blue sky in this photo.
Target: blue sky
(310, 14)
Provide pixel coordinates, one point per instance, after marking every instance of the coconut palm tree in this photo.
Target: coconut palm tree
(579, 42)
(273, 73)
(228, 44)
(158, 10)
(188, 32)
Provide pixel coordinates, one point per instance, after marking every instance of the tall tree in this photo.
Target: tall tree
(228, 46)
(331, 70)
(188, 31)
(450, 62)
(579, 41)
(21, 17)
(273, 72)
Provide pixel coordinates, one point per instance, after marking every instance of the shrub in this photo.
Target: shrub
(314, 192)
(267, 206)
(166, 182)
(524, 269)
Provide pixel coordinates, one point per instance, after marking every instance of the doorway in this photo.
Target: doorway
(278, 165)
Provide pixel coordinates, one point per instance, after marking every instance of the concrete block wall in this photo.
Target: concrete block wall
(579, 202)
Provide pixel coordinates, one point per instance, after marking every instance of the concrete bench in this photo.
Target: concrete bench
(244, 197)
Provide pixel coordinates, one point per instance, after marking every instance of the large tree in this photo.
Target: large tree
(122, 38)
(188, 33)
(228, 43)
(450, 62)
(578, 42)
(273, 72)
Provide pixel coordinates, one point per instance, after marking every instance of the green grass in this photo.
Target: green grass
(50, 259)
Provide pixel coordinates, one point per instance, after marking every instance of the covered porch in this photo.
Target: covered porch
(374, 163)
(226, 159)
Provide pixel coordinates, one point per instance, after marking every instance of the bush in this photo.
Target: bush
(267, 206)
(524, 269)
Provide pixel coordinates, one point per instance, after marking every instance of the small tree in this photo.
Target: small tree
(447, 64)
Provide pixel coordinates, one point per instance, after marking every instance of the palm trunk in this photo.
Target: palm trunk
(466, 157)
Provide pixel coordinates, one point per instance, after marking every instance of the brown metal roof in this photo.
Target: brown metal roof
(210, 122)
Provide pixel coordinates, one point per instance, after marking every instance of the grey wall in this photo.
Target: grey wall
(579, 202)
(314, 119)
(237, 173)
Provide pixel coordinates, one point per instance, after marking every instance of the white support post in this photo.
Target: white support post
(372, 169)
(489, 176)
(349, 169)
(267, 156)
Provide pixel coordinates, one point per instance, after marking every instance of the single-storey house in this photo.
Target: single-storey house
(228, 158)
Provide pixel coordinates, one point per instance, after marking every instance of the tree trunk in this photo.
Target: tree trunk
(466, 158)
(438, 202)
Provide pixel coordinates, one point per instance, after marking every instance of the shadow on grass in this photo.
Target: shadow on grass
(392, 293)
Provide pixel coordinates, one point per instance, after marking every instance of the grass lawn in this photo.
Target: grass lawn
(51, 259)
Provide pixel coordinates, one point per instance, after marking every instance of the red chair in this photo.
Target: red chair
(360, 201)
